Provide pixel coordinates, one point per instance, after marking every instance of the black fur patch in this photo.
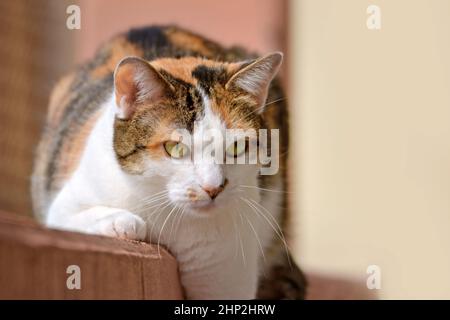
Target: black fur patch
(148, 38)
(209, 76)
(189, 100)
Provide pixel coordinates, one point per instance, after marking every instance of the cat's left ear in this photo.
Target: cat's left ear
(136, 81)
(255, 78)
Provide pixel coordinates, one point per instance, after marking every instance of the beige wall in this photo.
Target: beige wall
(372, 136)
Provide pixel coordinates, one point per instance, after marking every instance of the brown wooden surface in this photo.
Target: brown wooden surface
(34, 260)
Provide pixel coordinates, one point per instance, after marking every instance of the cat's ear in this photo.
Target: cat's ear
(136, 81)
(255, 77)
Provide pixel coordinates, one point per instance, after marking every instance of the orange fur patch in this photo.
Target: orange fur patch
(119, 49)
(182, 68)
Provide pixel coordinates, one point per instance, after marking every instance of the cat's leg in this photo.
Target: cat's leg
(281, 278)
(75, 209)
(100, 220)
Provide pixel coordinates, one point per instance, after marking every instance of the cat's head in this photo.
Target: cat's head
(166, 107)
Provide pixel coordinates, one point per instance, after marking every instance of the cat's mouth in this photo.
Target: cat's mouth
(203, 207)
(207, 207)
(199, 202)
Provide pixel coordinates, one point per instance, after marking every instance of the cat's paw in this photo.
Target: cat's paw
(120, 224)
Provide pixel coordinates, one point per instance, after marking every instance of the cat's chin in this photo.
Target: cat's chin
(203, 208)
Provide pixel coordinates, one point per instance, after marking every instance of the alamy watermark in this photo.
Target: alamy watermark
(374, 279)
(73, 281)
(373, 21)
(73, 21)
(230, 146)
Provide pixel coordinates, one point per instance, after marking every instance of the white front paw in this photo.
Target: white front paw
(121, 224)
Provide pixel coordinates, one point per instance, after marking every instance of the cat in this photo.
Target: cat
(108, 163)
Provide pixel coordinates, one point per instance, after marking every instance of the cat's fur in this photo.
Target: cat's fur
(100, 167)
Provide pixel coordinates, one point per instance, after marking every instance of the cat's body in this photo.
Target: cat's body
(101, 166)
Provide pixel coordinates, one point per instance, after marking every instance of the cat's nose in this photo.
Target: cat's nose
(212, 191)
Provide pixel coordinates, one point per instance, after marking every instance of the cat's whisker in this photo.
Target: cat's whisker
(264, 189)
(173, 223)
(145, 207)
(157, 205)
(257, 238)
(282, 238)
(275, 101)
(152, 199)
(158, 213)
(276, 205)
(267, 104)
(283, 154)
(242, 244)
(268, 214)
(244, 117)
(154, 195)
(149, 205)
(236, 237)
(162, 228)
(152, 203)
(144, 202)
(277, 229)
(181, 218)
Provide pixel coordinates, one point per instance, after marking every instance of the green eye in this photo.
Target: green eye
(236, 149)
(175, 149)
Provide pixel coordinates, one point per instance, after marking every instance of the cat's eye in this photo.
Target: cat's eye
(237, 148)
(175, 149)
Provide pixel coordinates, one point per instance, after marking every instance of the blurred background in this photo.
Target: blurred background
(370, 113)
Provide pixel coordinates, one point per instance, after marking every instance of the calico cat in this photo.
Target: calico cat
(109, 164)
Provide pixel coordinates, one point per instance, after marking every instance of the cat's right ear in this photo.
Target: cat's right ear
(136, 81)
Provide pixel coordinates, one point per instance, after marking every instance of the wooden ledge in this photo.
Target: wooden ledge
(34, 262)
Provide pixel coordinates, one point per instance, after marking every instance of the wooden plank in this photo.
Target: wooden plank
(34, 261)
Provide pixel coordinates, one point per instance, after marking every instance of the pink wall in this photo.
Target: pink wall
(256, 24)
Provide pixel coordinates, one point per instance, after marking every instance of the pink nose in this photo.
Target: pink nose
(213, 192)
